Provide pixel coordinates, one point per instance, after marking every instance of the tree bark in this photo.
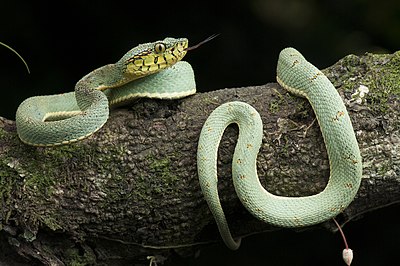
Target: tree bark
(131, 189)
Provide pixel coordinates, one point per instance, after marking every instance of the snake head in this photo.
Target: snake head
(149, 58)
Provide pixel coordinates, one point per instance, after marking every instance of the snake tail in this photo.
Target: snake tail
(20, 57)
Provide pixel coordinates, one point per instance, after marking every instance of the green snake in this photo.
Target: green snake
(155, 70)
(151, 70)
(301, 78)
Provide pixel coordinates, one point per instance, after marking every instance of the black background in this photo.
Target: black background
(64, 40)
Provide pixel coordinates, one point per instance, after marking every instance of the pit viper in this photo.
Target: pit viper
(155, 70)
(301, 78)
(152, 70)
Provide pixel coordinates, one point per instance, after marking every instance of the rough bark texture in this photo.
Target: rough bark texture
(131, 189)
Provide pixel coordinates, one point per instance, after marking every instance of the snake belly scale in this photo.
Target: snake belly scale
(148, 70)
(301, 78)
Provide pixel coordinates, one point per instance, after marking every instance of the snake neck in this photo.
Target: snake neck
(88, 89)
(105, 77)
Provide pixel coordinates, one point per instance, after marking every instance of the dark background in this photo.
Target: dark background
(64, 40)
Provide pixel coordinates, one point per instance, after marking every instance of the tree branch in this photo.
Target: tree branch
(131, 189)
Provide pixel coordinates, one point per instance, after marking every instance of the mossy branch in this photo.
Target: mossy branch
(131, 189)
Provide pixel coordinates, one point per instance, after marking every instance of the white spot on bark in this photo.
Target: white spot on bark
(359, 95)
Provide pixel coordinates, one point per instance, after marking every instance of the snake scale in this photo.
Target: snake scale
(155, 70)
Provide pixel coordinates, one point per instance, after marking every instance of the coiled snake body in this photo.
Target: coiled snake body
(65, 118)
(301, 78)
(148, 70)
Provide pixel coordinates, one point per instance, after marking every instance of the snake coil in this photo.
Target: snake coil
(151, 70)
(301, 78)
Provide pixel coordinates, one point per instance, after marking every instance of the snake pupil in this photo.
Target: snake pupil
(159, 48)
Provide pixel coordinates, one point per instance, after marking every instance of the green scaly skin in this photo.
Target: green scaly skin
(301, 78)
(149, 70)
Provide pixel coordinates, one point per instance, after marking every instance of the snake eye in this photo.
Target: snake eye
(159, 48)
